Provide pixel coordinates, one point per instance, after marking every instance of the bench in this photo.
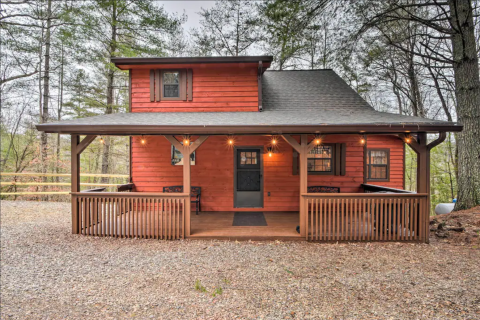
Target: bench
(323, 189)
(195, 193)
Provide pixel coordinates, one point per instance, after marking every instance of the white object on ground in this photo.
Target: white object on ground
(444, 208)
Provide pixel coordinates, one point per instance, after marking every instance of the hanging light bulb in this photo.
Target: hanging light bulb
(270, 153)
(186, 141)
(274, 141)
(230, 142)
(318, 140)
(363, 140)
(101, 140)
(408, 139)
(143, 141)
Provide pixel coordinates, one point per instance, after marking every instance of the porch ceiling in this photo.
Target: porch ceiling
(267, 122)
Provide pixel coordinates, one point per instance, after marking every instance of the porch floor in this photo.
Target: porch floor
(220, 225)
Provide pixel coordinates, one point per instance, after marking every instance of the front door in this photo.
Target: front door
(248, 188)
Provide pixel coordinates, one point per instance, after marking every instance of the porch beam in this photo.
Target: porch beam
(197, 143)
(75, 180)
(291, 141)
(85, 143)
(175, 143)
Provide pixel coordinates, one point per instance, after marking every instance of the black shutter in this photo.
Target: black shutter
(183, 85)
(295, 163)
(189, 84)
(152, 86)
(343, 160)
(158, 87)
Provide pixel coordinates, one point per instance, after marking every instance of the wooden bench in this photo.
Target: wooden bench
(195, 193)
(323, 189)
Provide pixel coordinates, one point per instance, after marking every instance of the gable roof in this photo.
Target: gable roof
(310, 101)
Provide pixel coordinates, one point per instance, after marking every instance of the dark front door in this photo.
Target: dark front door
(248, 180)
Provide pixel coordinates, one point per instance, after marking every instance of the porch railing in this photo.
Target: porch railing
(366, 217)
(131, 214)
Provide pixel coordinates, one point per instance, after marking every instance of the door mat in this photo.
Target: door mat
(249, 219)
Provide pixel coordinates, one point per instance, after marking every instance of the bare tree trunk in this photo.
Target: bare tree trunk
(110, 81)
(467, 92)
(59, 115)
(46, 89)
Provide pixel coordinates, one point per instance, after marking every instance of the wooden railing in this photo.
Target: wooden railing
(366, 217)
(130, 214)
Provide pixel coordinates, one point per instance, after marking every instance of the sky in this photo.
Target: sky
(189, 7)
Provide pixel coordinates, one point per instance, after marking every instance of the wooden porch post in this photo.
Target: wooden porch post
(77, 148)
(422, 149)
(186, 152)
(303, 148)
(75, 181)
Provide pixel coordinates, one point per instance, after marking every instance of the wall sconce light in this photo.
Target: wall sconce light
(270, 151)
(363, 140)
(186, 140)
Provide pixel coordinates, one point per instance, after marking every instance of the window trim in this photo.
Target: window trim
(181, 85)
(369, 165)
(333, 160)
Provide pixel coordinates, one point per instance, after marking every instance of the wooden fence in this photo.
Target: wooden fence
(26, 175)
(130, 214)
(366, 217)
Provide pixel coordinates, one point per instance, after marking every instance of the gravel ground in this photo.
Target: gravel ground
(48, 273)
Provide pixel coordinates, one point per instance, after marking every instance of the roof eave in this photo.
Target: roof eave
(250, 129)
(191, 60)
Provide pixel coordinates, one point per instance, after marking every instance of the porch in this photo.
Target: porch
(390, 216)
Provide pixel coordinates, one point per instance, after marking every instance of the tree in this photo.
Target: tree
(122, 28)
(452, 21)
(230, 28)
(286, 26)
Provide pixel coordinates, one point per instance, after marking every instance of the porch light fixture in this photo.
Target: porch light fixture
(317, 140)
(101, 140)
(143, 141)
(363, 140)
(408, 139)
(270, 151)
(230, 141)
(186, 140)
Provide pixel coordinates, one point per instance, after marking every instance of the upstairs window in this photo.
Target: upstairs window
(171, 84)
(378, 164)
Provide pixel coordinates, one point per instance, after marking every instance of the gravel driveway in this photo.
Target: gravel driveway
(48, 273)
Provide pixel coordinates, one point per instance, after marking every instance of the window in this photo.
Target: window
(378, 162)
(177, 157)
(321, 159)
(248, 158)
(171, 84)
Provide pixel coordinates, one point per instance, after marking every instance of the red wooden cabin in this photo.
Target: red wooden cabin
(276, 154)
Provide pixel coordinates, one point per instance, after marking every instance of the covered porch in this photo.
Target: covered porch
(374, 213)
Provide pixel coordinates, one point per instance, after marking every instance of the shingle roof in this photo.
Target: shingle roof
(309, 90)
(294, 102)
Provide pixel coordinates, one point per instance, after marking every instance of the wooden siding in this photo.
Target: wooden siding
(213, 171)
(215, 88)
